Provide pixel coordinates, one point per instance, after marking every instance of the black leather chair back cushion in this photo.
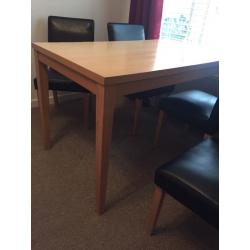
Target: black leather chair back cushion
(125, 32)
(193, 179)
(66, 29)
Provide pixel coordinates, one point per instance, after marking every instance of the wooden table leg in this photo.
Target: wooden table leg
(43, 99)
(105, 104)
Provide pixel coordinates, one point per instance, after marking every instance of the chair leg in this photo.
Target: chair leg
(158, 127)
(138, 105)
(86, 107)
(55, 96)
(155, 209)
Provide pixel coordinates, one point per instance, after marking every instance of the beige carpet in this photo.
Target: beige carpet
(63, 186)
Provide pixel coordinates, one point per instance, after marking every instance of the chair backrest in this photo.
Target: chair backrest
(67, 29)
(125, 32)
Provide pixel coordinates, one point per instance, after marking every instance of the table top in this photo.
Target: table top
(117, 62)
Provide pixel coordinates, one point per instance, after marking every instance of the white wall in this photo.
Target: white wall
(125, 4)
(102, 11)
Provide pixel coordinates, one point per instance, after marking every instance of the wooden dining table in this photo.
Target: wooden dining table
(113, 69)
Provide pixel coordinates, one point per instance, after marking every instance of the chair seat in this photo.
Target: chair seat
(154, 92)
(193, 179)
(192, 106)
(61, 83)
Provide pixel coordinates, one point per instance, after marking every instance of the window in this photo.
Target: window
(194, 21)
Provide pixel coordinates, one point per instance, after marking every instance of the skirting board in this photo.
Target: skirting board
(62, 98)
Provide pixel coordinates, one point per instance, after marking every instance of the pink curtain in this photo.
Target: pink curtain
(147, 13)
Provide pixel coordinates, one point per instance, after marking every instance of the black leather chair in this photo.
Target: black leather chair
(194, 107)
(193, 180)
(129, 32)
(66, 29)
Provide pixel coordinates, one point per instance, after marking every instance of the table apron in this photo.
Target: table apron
(158, 82)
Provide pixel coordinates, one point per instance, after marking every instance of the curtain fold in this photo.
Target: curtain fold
(147, 13)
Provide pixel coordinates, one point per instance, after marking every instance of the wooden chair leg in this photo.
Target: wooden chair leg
(86, 108)
(158, 127)
(155, 209)
(138, 105)
(55, 96)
